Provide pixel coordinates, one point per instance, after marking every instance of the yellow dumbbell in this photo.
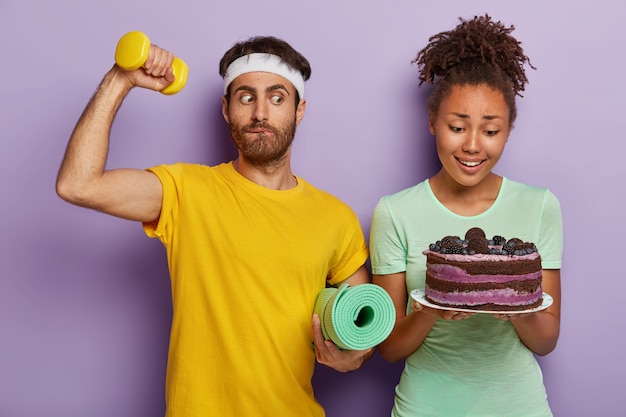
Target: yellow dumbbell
(132, 52)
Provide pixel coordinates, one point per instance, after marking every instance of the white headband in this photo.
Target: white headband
(263, 63)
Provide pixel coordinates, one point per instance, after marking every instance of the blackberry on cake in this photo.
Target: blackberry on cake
(477, 273)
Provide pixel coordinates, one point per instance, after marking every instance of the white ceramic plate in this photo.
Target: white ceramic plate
(418, 295)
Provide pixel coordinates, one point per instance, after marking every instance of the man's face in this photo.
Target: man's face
(261, 116)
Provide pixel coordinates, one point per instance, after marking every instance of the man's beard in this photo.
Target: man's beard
(263, 150)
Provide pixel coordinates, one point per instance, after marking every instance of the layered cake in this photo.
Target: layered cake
(477, 273)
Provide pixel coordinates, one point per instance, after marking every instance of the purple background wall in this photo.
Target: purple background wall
(84, 298)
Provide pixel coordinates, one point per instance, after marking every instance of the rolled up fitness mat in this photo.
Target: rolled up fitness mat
(357, 317)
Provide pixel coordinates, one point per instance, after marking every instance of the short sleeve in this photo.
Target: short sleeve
(354, 252)
(550, 243)
(388, 252)
(171, 181)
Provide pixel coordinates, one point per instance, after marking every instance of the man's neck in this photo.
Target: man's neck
(273, 176)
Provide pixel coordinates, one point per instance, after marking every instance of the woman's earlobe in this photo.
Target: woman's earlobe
(431, 125)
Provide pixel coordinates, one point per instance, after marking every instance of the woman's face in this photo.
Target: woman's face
(471, 128)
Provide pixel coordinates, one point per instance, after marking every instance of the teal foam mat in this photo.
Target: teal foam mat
(355, 317)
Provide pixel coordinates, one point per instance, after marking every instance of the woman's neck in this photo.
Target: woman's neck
(465, 200)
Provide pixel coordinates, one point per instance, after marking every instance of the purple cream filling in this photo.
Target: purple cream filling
(452, 273)
(504, 297)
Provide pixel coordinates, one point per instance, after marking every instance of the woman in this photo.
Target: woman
(468, 364)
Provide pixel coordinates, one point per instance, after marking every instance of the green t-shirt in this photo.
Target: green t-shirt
(477, 366)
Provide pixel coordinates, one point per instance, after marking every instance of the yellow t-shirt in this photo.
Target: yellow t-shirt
(246, 265)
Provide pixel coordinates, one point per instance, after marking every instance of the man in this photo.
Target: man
(249, 244)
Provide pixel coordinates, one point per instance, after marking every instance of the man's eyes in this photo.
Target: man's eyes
(246, 98)
(249, 98)
(276, 99)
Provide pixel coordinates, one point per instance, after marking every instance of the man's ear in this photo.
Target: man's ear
(300, 111)
(225, 109)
